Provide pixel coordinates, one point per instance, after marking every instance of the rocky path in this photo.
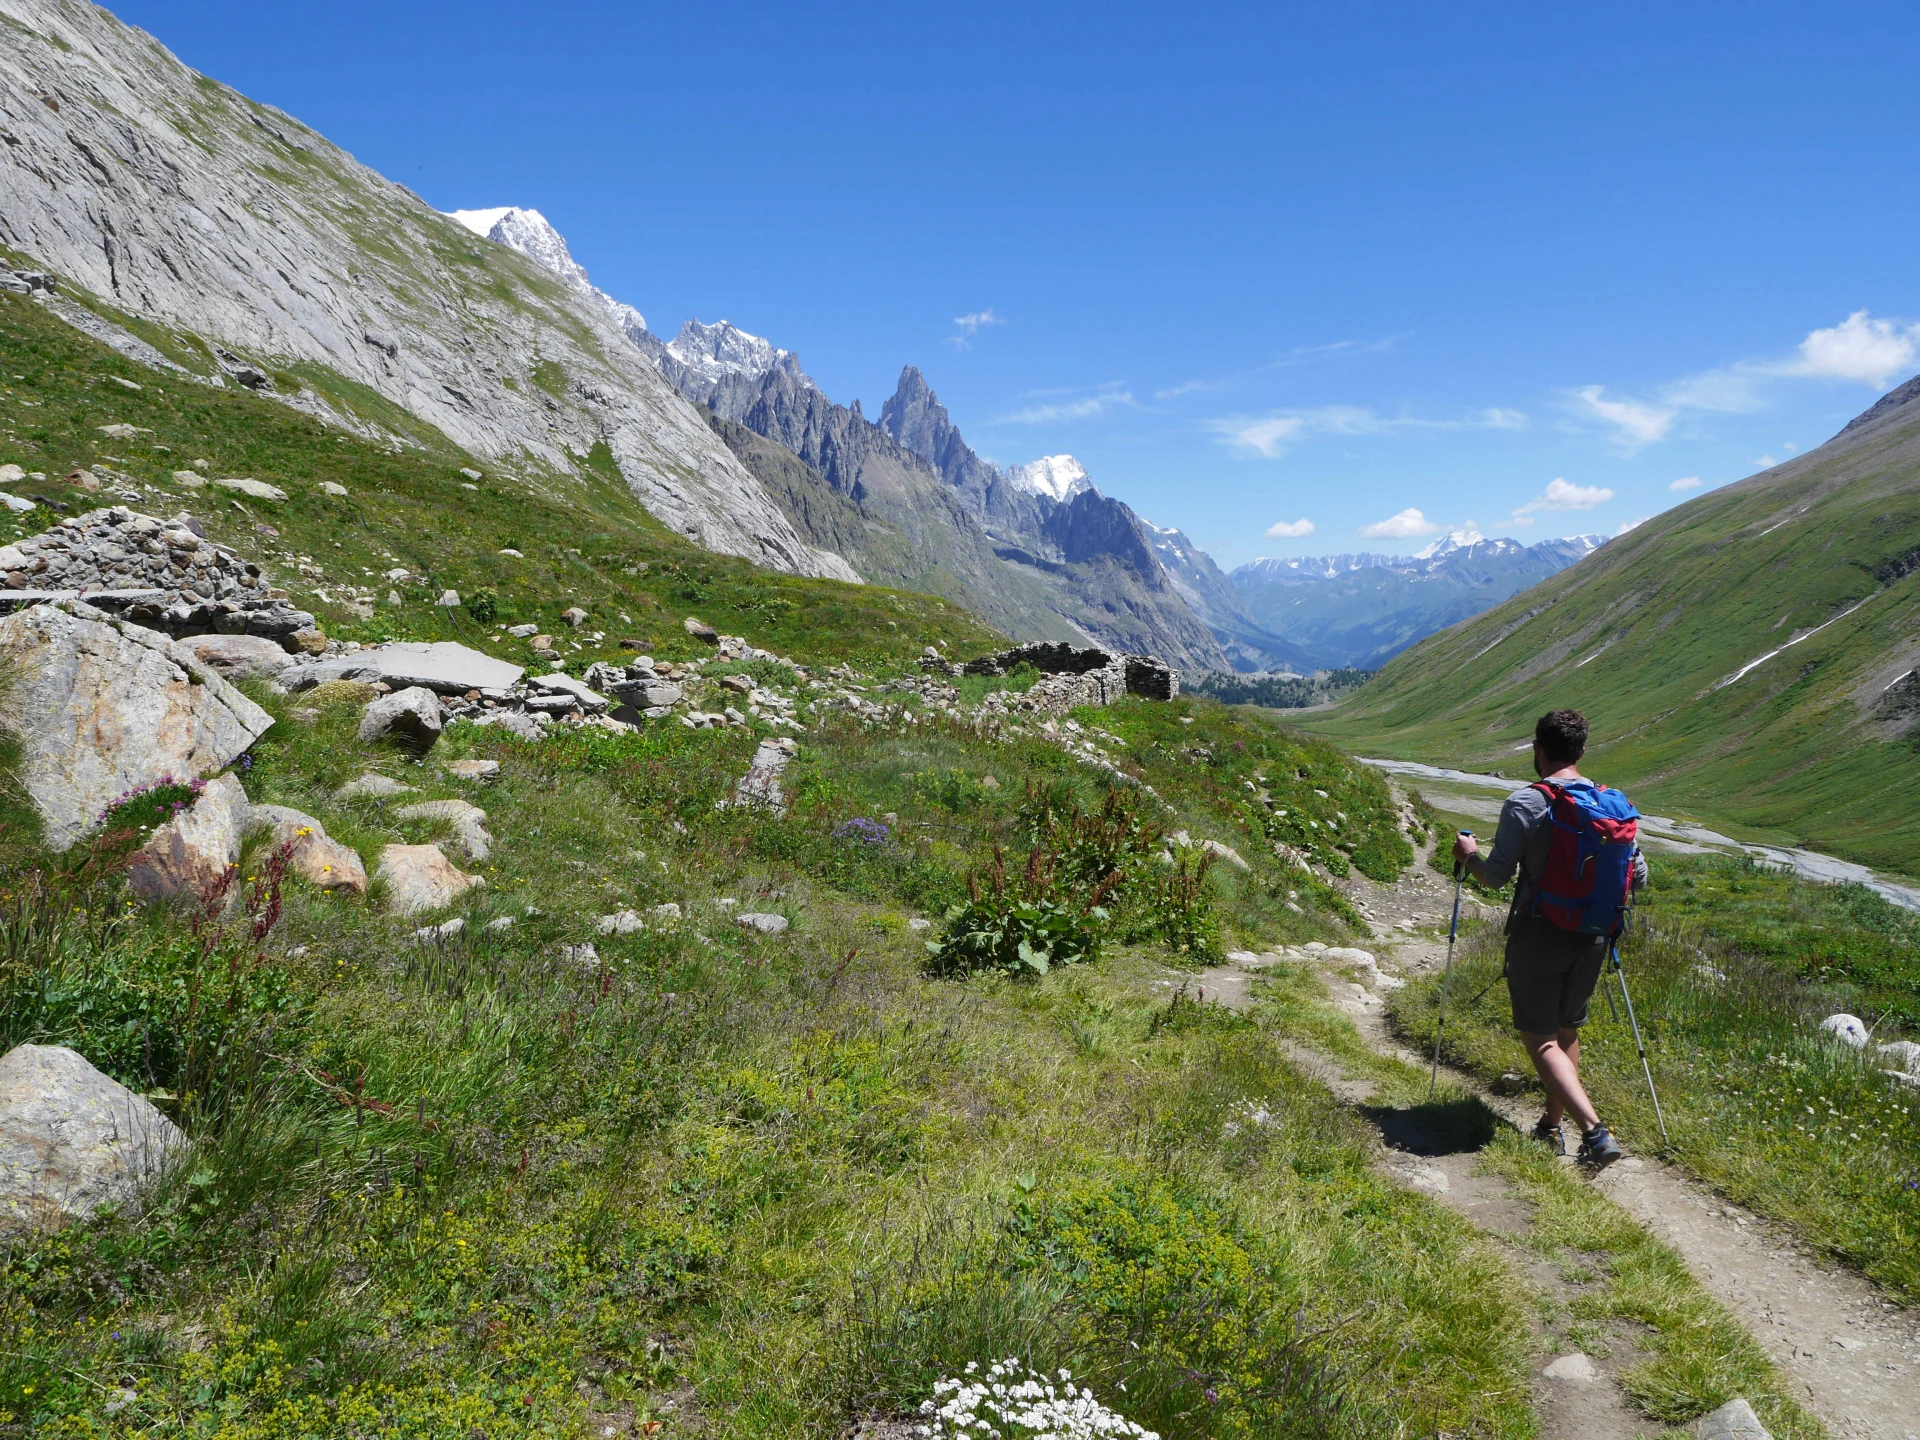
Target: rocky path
(1853, 1355)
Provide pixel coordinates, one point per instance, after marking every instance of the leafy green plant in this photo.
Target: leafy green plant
(1023, 928)
(484, 606)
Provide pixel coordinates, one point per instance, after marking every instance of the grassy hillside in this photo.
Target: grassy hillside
(584, 542)
(1813, 562)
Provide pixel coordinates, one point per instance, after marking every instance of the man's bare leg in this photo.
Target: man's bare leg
(1557, 1060)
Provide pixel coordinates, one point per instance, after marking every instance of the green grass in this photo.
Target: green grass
(1732, 968)
(1640, 635)
(585, 540)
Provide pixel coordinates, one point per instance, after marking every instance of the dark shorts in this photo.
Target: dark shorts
(1551, 974)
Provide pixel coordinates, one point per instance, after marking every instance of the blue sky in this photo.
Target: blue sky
(1526, 266)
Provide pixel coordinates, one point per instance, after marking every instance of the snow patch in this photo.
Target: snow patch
(1058, 477)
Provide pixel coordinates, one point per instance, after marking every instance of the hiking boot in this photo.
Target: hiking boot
(1549, 1134)
(1598, 1149)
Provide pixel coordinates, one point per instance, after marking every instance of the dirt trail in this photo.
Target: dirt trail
(1853, 1354)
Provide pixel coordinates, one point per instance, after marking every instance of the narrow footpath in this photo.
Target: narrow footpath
(1852, 1354)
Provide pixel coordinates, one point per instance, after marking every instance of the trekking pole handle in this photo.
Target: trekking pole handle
(1459, 869)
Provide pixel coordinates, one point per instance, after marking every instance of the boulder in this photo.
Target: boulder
(479, 770)
(442, 666)
(522, 726)
(1849, 1030)
(332, 487)
(700, 630)
(257, 489)
(449, 599)
(760, 786)
(192, 854)
(103, 707)
(1734, 1420)
(71, 1139)
(420, 878)
(765, 924)
(590, 700)
(238, 656)
(465, 821)
(1226, 853)
(621, 922)
(413, 716)
(378, 787)
(319, 860)
(574, 616)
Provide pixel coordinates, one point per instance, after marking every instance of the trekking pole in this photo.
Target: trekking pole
(1646, 1068)
(1453, 929)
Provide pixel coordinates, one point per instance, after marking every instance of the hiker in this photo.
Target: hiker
(1573, 843)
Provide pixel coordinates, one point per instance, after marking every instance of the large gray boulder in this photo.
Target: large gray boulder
(102, 707)
(190, 855)
(442, 666)
(237, 656)
(419, 878)
(413, 716)
(72, 1139)
(1734, 1420)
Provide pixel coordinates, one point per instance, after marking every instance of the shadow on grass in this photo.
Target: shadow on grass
(1445, 1127)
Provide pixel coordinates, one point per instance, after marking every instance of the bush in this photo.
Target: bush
(1022, 937)
(483, 606)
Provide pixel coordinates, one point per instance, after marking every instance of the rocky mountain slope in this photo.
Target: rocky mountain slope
(256, 252)
(1361, 610)
(1747, 658)
(1219, 603)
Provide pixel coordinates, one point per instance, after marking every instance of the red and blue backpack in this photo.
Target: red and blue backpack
(1589, 857)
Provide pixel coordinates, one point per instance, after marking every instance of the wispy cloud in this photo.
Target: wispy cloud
(1289, 529)
(1267, 435)
(1085, 407)
(1561, 495)
(1860, 349)
(1272, 434)
(1635, 423)
(1286, 359)
(1686, 482)
(967, 326)
(1631, 525)
(1404, 526)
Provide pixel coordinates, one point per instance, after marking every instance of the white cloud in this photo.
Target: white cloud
(1765, 462)
(970, 325)
(1859, 348)
(1494, 418)
(1267, 435)
(1289, 529)
(1560, 495)
(1637, 423)
(1404, 526)
(1632, 525)
(1686, 482)
(1087, 407)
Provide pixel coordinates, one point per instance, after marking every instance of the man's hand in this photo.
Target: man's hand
(1466, 852)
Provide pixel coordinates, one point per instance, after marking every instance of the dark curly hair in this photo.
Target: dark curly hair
(1561, 736)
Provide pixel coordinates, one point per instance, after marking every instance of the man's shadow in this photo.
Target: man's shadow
(1439, 1127)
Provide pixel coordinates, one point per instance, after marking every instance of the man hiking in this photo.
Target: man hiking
(1573, 843)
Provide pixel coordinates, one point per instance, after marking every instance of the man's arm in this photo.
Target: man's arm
(1494, 869)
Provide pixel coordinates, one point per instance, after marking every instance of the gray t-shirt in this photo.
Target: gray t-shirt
(1521, 841)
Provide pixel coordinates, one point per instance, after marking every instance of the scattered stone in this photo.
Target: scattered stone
(919, 924)
(1734, 1420)
(515, 723)
(190, 855)
(413, 716)
(621, 922)
(449, 599)
(521, 632)
(322, 862)
(504, 922)
(470, 473)
(542, 642)
(584, 695)
(765, 924)
(443, 666)
(255, 489)
(574, 616)
(476, 770)
(509, 550)
(419, 878)
(465, 821)
(188, 480)
(332, 487)
(309, 641)
(1904, 1054)
(739, 684)
(72, 1140)
(102, 707)
(442, 932)
(583, 955)
(1849, 1030)
(1572, 1367)
(668, 911)
(1510, 1083)
(235, 657)
(11, 474)
(1226, 853)
(1245, 957)
(700, 630)
(760, 786)
(1347, 955)
(122, 432)
(378, 787)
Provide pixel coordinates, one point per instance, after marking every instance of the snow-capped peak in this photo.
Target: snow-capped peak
(533, 235)
(1058, 477)
(719, 350)
(1447, 544)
